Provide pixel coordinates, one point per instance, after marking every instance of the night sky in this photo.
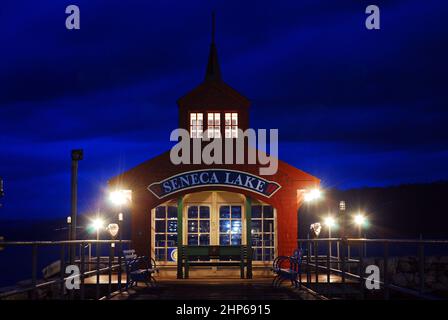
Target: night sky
(353, 107)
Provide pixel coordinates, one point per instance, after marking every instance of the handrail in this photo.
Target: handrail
(357, 240)
(98, 260)
(45, 243)
(315, 263)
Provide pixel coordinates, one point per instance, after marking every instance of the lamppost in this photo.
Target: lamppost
(98, 225)
(77, 155)
(120, 198)
(343, 236)
(310, 196)
(113, 229)
(69, 222)
(329, 222)
(360, 220)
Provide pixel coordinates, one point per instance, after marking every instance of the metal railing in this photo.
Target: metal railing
(318, 261)
(102, 265)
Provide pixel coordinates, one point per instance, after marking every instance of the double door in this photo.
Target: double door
(214, 224)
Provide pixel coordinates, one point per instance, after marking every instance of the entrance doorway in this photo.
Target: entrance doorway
(213, 218)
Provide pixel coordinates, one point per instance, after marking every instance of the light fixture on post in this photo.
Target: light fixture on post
(69, 222)
(360, 221)
(76, 155)
(308, 196)
(329, 222)
(113, 229)
(342, 213)
(315, 228)
(120, 198)
(97, 225)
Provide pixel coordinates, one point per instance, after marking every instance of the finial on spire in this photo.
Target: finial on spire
(213, 71)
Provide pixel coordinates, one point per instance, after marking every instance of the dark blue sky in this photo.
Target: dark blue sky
(353, 107)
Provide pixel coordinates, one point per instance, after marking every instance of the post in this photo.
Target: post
(249, 236)
(62, 271)
(180, 209)
(34, 272)
(421, 261)
(77, 155)
(316, 260)
(328, 262)
(83, 269)
(120, 248)
(308, 261)
(361, 269)
(97, 270)
(386, 276)
(111, 256)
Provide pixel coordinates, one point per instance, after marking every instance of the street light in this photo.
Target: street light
(69, 222)
(120, 198)
(97, 224)
(329, 222)
(360, 220)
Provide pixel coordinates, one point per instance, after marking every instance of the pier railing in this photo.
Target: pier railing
(347, 259)
(88, 265)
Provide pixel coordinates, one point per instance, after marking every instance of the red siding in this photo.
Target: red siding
(284, 200)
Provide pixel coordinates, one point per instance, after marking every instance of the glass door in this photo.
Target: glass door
(230, 225)
(198, 225)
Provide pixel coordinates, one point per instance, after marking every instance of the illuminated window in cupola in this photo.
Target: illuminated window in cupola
(214, 125)
(196, 125)
(231, 125)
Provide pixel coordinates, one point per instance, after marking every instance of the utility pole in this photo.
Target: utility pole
(77, 155)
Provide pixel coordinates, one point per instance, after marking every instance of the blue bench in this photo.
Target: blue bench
(139, 269)
(287, 268)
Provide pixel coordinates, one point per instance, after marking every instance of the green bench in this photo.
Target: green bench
(217, 256)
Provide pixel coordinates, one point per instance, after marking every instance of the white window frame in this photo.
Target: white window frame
(166, 233)
(214, 125)
(196, 124)
(230, 219)
(198, 220)
(273, 247)
(231, 125)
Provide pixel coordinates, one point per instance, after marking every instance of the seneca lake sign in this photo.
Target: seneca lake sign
(213, 177)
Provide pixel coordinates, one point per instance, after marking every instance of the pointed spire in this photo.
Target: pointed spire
(213, 71)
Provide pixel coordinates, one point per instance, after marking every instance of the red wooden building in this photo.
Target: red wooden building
(194, 210)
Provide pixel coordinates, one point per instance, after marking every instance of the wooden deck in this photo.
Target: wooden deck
(215, 289)
(212, 288)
